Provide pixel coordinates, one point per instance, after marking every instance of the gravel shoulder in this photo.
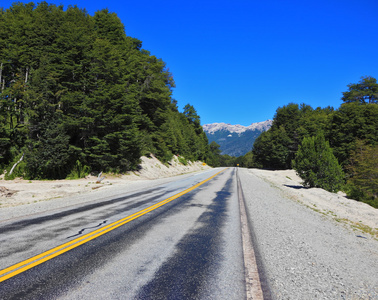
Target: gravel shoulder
(313, 244)
(306, 250)
(23, 197)
(357, 215)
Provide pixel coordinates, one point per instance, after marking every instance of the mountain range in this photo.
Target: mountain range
(235, 140)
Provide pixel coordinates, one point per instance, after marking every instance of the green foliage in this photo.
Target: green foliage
(356, 119)
(271, 149)
(214, 154)
(48, 153)
(79, 171)
(4, 146)
(227, 161)
(74, 88)
(236, 144)
(363, 174)
(317, 166)
(191, 114)
(276, 148)
(182, 160)
(18, 171)
(351, 122)
(247, 160)
(366, 91)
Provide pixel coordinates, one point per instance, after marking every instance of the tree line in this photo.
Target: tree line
(335, 149)
(78, 95)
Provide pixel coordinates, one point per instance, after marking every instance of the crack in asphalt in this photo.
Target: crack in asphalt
(82, 230)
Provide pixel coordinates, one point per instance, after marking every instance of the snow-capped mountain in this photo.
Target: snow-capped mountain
(235, 140)
(261, 126)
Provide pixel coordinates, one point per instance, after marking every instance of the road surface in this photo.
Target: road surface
(184, 240)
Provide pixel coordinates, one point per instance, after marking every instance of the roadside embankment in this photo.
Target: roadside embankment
(359, 215)
(19, 191)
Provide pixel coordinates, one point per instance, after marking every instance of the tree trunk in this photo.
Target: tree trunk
(26, 75)
(22, 157)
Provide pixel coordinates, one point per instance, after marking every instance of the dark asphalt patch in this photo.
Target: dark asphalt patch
(57, 276)
(20, 225)
(184, 275)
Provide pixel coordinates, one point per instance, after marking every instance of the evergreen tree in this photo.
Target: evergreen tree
(48, 152)
(214, 154)
(271, 149)
(77, 84)
(276, 148)
(363, 174)
(352, 121)
(4, 144)
(317, 166)
(191, 114)
(247, 160)
(366, 91)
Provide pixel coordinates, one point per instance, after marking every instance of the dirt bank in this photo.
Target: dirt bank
(361, 216)
(18, 192)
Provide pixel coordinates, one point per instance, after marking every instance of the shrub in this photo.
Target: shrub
(182, 160)
(317, 166)
(79, 171)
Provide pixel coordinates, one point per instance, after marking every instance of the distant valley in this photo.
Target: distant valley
(235, 140)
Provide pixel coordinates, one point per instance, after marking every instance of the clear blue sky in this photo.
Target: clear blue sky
(236, 61)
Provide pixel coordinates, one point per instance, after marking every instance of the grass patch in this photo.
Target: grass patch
(182, 160)
(366, 229)
(359, 227)
(329, 212)
(317, 210)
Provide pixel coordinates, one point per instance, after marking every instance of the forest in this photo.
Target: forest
(77, 95)
(334, 149)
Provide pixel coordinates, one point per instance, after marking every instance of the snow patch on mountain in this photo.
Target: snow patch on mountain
(235, 140)
(214, 127)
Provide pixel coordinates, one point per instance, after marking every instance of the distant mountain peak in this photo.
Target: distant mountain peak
(235, 140)
(212, 128)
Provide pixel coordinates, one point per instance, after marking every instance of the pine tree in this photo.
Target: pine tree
(363, 171)
(271, 149)
(317, 166)
(366, 91)
(350, 122)
(48, 154)
(77, 84)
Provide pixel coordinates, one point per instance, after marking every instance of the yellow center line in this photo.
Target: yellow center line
(54, 252)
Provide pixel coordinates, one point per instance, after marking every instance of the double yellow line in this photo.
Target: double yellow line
(45, 256)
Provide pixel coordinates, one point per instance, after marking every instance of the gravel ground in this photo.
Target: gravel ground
(307, 254)
(313, 244)
(24, 197)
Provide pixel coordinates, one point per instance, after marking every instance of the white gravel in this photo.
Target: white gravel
(24, 197)
(306, 253)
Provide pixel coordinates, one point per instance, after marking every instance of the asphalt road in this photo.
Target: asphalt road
(186, 247)
(183, 238)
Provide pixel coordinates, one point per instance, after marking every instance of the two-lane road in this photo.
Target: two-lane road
(179, 240)
(185, 238)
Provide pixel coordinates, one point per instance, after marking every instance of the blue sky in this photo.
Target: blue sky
(237, 61)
